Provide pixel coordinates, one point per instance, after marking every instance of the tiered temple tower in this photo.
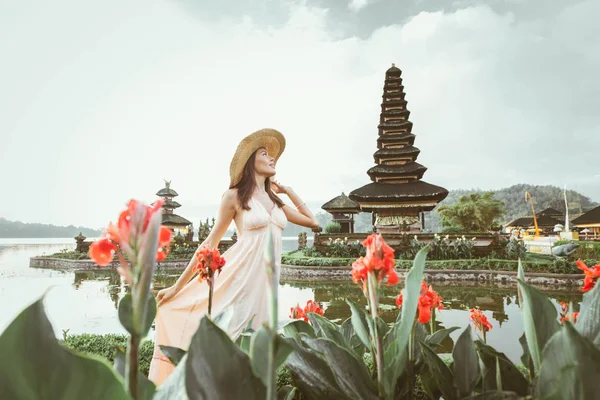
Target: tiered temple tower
(397, 197)
(171, 220)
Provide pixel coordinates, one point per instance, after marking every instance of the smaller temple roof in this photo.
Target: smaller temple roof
(411, 168)
(171, 204)
(408, 150)
(167, 191)
(341, 202)
(393, 70)
(174, 220)
(395, 124)
(590, 217)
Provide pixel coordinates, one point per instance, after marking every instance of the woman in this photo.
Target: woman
(252, 203)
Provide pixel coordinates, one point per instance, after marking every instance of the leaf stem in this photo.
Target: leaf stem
(131, 368)
(373, 306)
(411, 372)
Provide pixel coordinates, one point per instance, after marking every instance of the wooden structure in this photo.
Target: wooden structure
(170, 219)
(397, 196)
(545, 223)
(342, 208)
(590, 220)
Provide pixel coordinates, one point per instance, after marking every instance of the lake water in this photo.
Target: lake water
(86, 302)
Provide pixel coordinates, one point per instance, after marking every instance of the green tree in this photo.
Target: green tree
(475, 212)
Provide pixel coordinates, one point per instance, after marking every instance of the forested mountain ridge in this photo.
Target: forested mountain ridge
(17, 229)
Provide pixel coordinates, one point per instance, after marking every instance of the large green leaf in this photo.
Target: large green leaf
(146, 388)
(440, 373)
(512, 379)
(126, 315)
(401, 330)
(174, 387)
(174, 354)
(287, 392)
(466, 365)
(351, 375)
(294, 328)
(217, 369)
(35, 366)
(570, 367)
(359, 322)
(588, 322)
(539, 320)
(439, 336)
(526, 357)
(347, 330)
(326, 329)
(259, 352)
(520, 276)
(312, 373)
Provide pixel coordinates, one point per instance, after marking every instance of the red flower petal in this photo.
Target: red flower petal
(102, 252)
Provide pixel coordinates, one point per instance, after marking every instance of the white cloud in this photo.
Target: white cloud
(101, 104)
(357, 5)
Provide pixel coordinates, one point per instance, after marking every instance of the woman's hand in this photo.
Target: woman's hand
(165, 295)
(278, 188)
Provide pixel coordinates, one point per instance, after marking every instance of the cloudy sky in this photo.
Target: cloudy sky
(100, 101)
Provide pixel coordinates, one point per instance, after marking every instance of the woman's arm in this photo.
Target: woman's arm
(225, 215)
(301, 215)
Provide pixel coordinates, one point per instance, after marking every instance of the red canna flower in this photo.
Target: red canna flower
(428, 300)
(564, 313)
(209, 262)
(298, 313)
(480, 321)
(399, 300)
(311, 306)
(378, 260)
(102, 251)
(125, 237)
(591, 275)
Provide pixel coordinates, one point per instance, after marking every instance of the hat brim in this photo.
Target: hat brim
(270, 139)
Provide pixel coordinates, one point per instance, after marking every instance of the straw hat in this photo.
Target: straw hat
(270, 139)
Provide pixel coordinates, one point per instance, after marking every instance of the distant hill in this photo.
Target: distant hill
(515, 205)
(16, 229)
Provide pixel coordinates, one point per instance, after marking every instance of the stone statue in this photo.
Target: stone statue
(565, 250)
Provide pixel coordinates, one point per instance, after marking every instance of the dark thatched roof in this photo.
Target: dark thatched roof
(398, 192)
(408, 150)
(542, 220)
(590, 217)
(551, 212)
(411, 168)
(387, 95)
(171, 204)
(393, 70)
(174, 219)
(395, 113)
(394, 103)
(341, 202)
(396, 125)
(166, 192)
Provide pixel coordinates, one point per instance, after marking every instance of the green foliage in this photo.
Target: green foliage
(204, 229)
(472, 213)
(105, 346)
(336, 249)
(333, 227)
(442, 248)
(67, 254)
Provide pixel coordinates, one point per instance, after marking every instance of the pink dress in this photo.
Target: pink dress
(242, 284)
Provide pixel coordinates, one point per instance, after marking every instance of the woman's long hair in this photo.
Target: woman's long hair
(247, 184)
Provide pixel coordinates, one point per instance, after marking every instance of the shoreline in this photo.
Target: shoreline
(299, 273)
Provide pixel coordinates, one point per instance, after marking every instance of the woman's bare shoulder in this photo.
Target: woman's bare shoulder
(230, 198)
